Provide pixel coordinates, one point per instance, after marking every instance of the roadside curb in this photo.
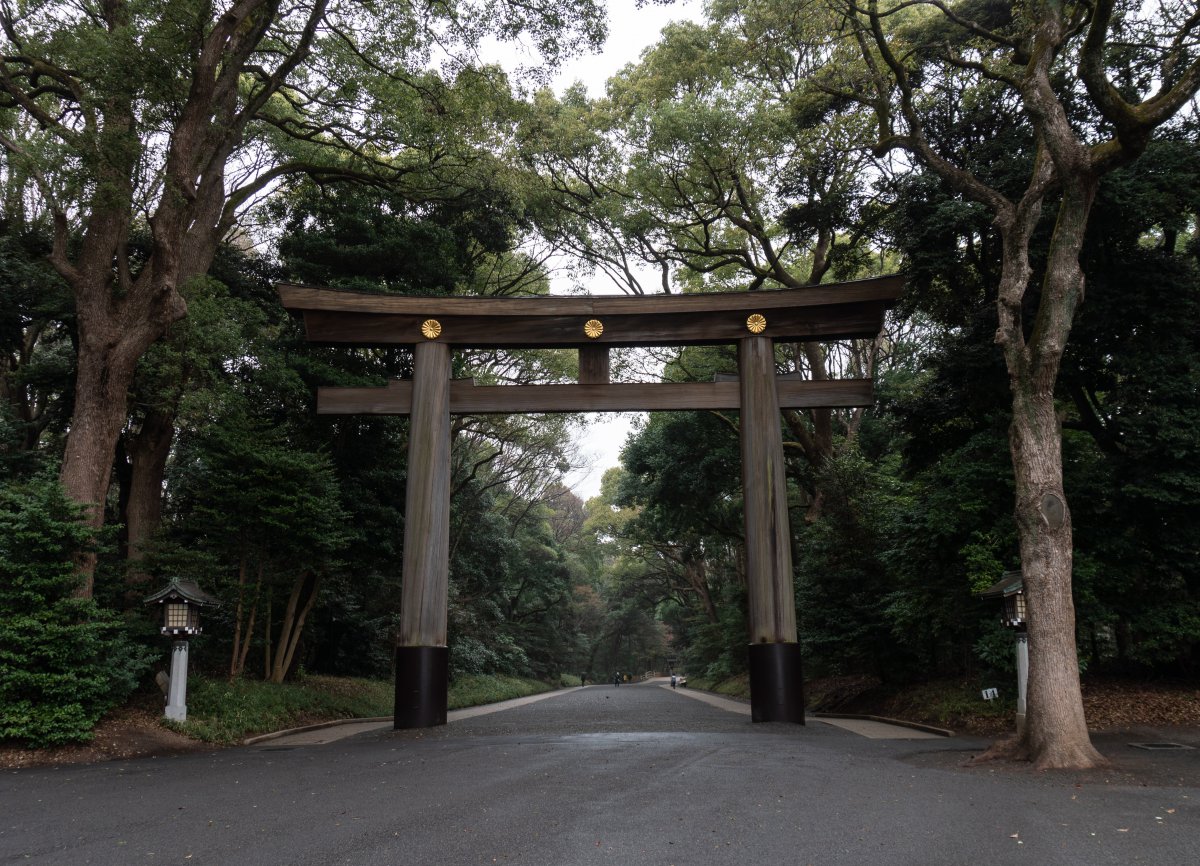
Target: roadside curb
(903, 723)
(454, 715)
(262, 738)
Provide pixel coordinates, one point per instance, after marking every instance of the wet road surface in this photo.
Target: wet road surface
(629, 775)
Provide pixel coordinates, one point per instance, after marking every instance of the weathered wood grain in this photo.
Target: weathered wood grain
(466, 398)
(297, 297)
(426, 563)
(770, 596)
(649, 329)
(593, 365)
(838, 311)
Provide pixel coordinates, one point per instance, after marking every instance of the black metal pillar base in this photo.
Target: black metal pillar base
(422, 681)
(776, 683)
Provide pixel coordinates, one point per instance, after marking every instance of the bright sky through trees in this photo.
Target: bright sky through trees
(631, 30)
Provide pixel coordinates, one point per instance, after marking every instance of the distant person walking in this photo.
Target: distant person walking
(672, 680)
(617, 679)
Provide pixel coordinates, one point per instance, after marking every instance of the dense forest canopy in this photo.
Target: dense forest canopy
(1033, 169)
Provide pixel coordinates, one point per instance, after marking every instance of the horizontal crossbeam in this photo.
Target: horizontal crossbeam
(469, 399)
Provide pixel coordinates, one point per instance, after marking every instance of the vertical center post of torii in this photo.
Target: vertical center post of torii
(776, 680)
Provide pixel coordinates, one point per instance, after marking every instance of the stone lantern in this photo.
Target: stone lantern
(1010, 589)
(182, 601)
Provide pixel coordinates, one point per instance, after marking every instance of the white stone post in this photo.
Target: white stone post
(1022, 678)
(177, 690)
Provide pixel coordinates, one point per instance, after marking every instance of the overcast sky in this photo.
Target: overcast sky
(630, 30)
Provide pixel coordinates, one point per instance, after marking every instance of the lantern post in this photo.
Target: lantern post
(1010, 589)
(181, 602)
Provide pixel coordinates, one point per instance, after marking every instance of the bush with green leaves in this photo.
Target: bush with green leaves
(64, 661)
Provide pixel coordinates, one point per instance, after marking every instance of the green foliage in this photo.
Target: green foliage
(64, 662)
(225, 711)
(718, 156)
(244, 487)
(15, 459)
(35, 345)
(511, 608)
(995, 649)
(229, 711)
(356, 238)
(844, 592)
(722, 684)
(471, 655)
(671, 521)
(473, 691)
(684, 470)
(948, 703)
(716, 650)
(1127, 390)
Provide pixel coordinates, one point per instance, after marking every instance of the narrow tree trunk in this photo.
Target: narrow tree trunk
(148, 452)
(237, 617)
(249, 633)
(267, 659)
(285, 625)
(293, 623)
(297, 629)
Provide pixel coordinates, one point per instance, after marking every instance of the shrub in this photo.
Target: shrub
(64, 661)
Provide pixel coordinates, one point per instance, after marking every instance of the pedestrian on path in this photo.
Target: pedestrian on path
(672, 680)
(617, 680)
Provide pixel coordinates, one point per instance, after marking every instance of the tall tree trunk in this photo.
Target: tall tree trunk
(1056, 733)
(102, 383)
(1027, 62)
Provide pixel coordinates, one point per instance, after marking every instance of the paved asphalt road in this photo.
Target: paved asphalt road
(601, 775)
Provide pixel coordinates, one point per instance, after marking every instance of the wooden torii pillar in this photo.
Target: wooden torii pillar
(433, 327)
(776, 680)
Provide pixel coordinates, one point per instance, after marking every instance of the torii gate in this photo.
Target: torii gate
(433, 327)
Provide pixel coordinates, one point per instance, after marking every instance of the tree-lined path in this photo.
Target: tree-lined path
(635, 774)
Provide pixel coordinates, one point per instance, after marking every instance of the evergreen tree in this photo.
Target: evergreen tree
(64, 661)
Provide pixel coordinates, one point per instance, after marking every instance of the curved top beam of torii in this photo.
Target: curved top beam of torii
(834, 311)
(593, 325)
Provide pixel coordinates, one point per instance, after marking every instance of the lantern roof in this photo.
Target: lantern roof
(1011, 583)
(187, 590)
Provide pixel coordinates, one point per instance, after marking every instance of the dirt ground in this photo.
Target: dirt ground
(1127, 764)
(129, 732)
(1108, 703)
